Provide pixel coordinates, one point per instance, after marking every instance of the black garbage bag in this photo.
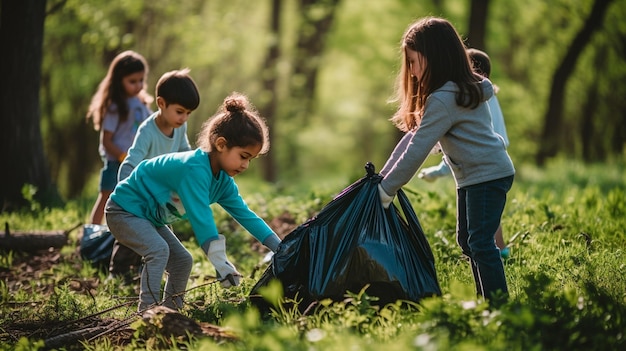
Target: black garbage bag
(351, 243)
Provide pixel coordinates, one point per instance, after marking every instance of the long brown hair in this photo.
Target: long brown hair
(111, 90)
(446, 60)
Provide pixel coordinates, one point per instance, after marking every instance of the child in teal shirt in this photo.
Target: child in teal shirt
(182, 186)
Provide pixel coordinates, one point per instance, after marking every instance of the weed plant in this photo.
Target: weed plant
(566, 273)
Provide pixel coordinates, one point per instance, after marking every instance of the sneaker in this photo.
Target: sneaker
(505, 252)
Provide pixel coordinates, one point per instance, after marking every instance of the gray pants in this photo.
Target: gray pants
(162, 252)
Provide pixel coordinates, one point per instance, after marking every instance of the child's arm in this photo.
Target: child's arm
(233, 203)
(138, 151)
(497, 119)
(433, 126)
(110, 147)
(252, 222)
(110, 124)
(397, 152)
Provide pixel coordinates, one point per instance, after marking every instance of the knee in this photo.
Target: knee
(481, 244)
(186, 260)
(157, 250)
(463, 244)
(181, 257)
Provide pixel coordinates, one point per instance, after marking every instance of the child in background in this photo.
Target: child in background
(442, 101)
(182, 186)
(117, 108)
(163, 132)
(482, 65)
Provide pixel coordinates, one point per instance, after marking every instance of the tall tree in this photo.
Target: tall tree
(21, 40)
(269, 79)
(478, 24)
(317, 18)
(553, 119)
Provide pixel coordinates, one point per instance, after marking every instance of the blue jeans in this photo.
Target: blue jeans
(479, 210)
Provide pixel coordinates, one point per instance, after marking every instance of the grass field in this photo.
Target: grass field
(565, 225)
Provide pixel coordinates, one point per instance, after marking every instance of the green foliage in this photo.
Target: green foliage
(23, 344)
(63, 305)
(355, 80)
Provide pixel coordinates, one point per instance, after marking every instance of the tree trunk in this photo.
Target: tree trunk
(269, 79)
(315, 23)
(477, 24)
(586, 125)
(23, 160)
(553, 119)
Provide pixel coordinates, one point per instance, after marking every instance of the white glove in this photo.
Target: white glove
(384, 197)
(431, 174)
(226, 271)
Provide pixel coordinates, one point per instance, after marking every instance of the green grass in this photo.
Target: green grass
(567, 277)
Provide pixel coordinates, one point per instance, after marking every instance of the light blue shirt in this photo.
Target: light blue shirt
(497, 119)
(150, 142)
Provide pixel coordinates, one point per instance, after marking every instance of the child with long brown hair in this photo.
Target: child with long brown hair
(117, 109)
(443, 103)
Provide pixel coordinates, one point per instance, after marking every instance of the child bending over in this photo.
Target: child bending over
(182, 186)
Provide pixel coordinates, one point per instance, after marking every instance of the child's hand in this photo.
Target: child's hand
(431, 174)
(226, 271)
(428, 174)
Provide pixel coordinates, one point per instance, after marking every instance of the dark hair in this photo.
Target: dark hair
(177, 87)
(236, 121)
(446, 60)
(111, 89)
(480, 62)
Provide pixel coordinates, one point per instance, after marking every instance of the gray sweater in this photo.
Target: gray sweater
(475, 153)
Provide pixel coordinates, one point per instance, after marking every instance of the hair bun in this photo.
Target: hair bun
(235, 104)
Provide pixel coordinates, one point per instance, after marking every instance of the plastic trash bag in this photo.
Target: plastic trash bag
(352, 242)
(96, 244)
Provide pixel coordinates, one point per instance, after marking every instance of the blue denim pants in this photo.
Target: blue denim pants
(479, 210)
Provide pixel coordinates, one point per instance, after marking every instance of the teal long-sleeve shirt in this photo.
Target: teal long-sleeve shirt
(181, 186)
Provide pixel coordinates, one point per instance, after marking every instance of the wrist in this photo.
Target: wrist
(220, 244)
(272, 242)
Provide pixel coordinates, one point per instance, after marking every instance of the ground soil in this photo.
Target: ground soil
(37, 267)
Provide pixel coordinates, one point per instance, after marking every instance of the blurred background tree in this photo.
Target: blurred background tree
(321, 72)
(23, 159)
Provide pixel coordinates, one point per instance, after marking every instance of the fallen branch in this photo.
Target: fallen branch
(31, 241)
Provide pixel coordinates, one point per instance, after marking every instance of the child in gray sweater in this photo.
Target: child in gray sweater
(444, 102)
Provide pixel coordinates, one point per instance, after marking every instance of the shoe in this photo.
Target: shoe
(505, 252)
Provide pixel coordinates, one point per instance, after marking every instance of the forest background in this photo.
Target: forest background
(320, 71)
